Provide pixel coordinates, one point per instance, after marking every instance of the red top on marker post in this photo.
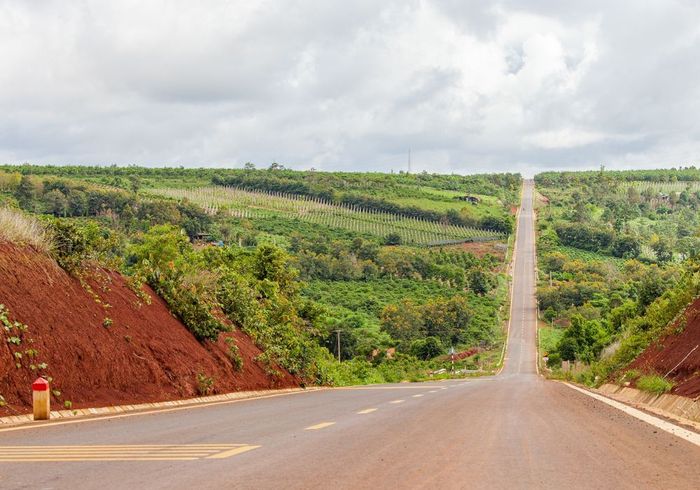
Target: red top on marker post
(40, 385)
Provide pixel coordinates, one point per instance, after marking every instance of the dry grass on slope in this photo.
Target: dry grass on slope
(20, 229)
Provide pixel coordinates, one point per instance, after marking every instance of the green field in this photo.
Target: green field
(586, 256)
(241, 203)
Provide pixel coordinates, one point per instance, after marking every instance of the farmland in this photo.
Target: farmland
(618, 260)
(240, 203)
(291, 257)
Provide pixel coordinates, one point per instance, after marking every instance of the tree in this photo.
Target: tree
(583, 340)
(427, 348)
(134, 183)
(26, 193)
(77, 203)
(392, 239)
(663, 250)
(56, 202)
(633, 195)
(626, 247)
(272, 263)
(403, 321)
(161, 246)
(480, 282)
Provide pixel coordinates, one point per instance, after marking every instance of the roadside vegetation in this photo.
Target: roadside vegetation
(294, 285)
(618, 261)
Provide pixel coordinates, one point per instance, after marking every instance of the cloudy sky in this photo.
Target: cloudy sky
(469, 86)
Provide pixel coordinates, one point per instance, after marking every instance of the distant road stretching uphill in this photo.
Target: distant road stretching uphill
(514, 430)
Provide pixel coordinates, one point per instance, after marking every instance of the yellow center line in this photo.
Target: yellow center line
(322, 425)
(164, 452)
(232, 452)
(397, 401)
(137, 446)
(39, 459)
(367, 410)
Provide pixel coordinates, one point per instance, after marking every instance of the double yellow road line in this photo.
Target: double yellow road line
(155, 452)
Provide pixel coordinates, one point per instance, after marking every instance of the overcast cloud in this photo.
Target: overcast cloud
(469, 86)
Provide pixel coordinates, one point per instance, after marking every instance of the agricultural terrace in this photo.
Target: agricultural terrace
(241, 203)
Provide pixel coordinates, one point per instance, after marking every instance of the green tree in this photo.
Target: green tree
(480, 282)
(26, 193)
(403, 321)
(393, 239)
(626, 247)
(56, 203)
(161, 246)
(427, 348)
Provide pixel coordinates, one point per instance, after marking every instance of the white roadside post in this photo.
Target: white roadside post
(41, 397)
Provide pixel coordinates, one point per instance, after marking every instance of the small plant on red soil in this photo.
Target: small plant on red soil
(234, 353)
(205, 384)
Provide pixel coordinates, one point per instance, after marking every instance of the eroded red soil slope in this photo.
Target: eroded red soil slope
(141, 353)
(669, 354)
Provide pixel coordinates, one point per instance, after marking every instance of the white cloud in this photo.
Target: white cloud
(468, 86)
(564, 138)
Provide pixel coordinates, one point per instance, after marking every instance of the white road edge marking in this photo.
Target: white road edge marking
(511, 267)
(417, 396)
(398, 401)
(692, 437)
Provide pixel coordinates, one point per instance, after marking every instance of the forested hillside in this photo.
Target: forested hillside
(618, 261)
(298, 287)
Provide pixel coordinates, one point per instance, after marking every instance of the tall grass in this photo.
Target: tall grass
(18, 228)
(654, 384)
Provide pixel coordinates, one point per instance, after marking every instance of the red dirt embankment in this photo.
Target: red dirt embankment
(145, 354)
(674, 352)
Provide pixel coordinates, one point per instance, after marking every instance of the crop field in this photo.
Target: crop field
(241, 203)
(587, 256)
(661, 187)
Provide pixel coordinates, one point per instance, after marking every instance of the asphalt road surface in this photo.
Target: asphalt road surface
(514, 430)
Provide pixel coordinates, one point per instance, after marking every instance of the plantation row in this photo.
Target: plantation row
(660, 187)
(242, 203)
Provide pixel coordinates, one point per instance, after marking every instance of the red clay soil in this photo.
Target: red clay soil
(479, 249)
(144, 355)
(669, 354)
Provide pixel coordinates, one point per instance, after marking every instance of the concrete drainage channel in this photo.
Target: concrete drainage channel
(679, 408)
(124, 410)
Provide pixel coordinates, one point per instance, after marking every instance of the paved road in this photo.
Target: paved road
(510, 431)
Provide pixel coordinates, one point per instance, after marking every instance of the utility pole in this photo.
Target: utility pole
(337, 333)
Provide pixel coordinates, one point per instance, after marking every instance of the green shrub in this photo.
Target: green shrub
(554, 360)
(234, 353)
(427, 348)
(74, 243)
(654, 384)
(205, 384)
